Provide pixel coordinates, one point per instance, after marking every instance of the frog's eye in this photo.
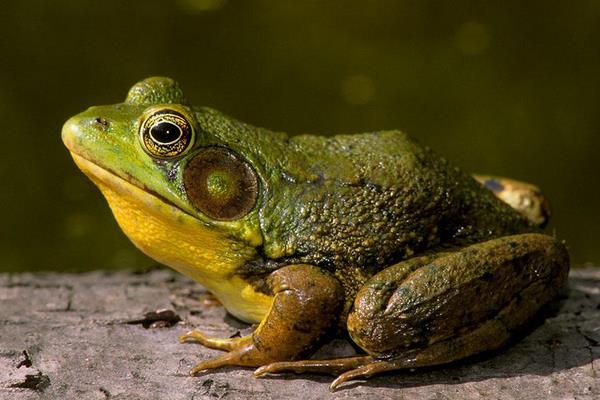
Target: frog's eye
(220, 184)
(166, 133)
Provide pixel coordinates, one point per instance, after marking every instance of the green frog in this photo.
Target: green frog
(370, 235)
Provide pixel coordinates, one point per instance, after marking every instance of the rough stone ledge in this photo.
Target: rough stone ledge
(103, 336)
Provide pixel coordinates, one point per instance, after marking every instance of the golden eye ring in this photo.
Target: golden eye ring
(166, 133)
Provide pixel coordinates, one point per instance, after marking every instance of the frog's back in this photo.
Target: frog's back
(364, 158)
(359, 202)
(368, 200)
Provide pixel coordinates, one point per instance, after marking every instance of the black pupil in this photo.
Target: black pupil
(165, 132)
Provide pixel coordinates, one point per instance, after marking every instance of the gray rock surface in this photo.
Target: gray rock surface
(99, 336)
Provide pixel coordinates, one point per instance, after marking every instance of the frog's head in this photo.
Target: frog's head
(177, 188)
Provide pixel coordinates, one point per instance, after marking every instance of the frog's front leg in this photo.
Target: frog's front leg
(441, 308)
(306, 305)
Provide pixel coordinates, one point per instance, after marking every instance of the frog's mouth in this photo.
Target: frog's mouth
(105, 177)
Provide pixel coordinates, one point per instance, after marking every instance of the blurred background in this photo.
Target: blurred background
(510, 88)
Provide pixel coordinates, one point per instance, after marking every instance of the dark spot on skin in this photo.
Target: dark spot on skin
(302, 326)
(102, 123)
(512, 244)
(520, 263)
(493, 185)
(487, 276)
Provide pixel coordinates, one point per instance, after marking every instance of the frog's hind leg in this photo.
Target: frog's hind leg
(524, 197)
(442, 308)
(332, 366)
(490, 335)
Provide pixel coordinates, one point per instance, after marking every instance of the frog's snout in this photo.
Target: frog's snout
(75, 130)
(71, 132)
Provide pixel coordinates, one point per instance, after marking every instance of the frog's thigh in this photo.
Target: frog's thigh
(458, 304)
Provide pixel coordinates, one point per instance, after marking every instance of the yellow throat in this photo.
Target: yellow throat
(178, 240)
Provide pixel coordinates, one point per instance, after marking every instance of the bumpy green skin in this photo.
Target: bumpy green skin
(365, 199)
(354, 204)
(430, 265)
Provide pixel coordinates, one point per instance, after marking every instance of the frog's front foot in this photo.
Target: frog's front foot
(306, 305)
(228, 344)
(241, 351)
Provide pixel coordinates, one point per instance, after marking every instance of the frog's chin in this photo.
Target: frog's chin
(177, 239)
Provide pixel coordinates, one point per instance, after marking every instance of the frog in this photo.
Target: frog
(372, 237)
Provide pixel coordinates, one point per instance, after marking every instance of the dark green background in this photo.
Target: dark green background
(506, 87)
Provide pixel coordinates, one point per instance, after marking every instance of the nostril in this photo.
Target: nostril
(102, 123)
